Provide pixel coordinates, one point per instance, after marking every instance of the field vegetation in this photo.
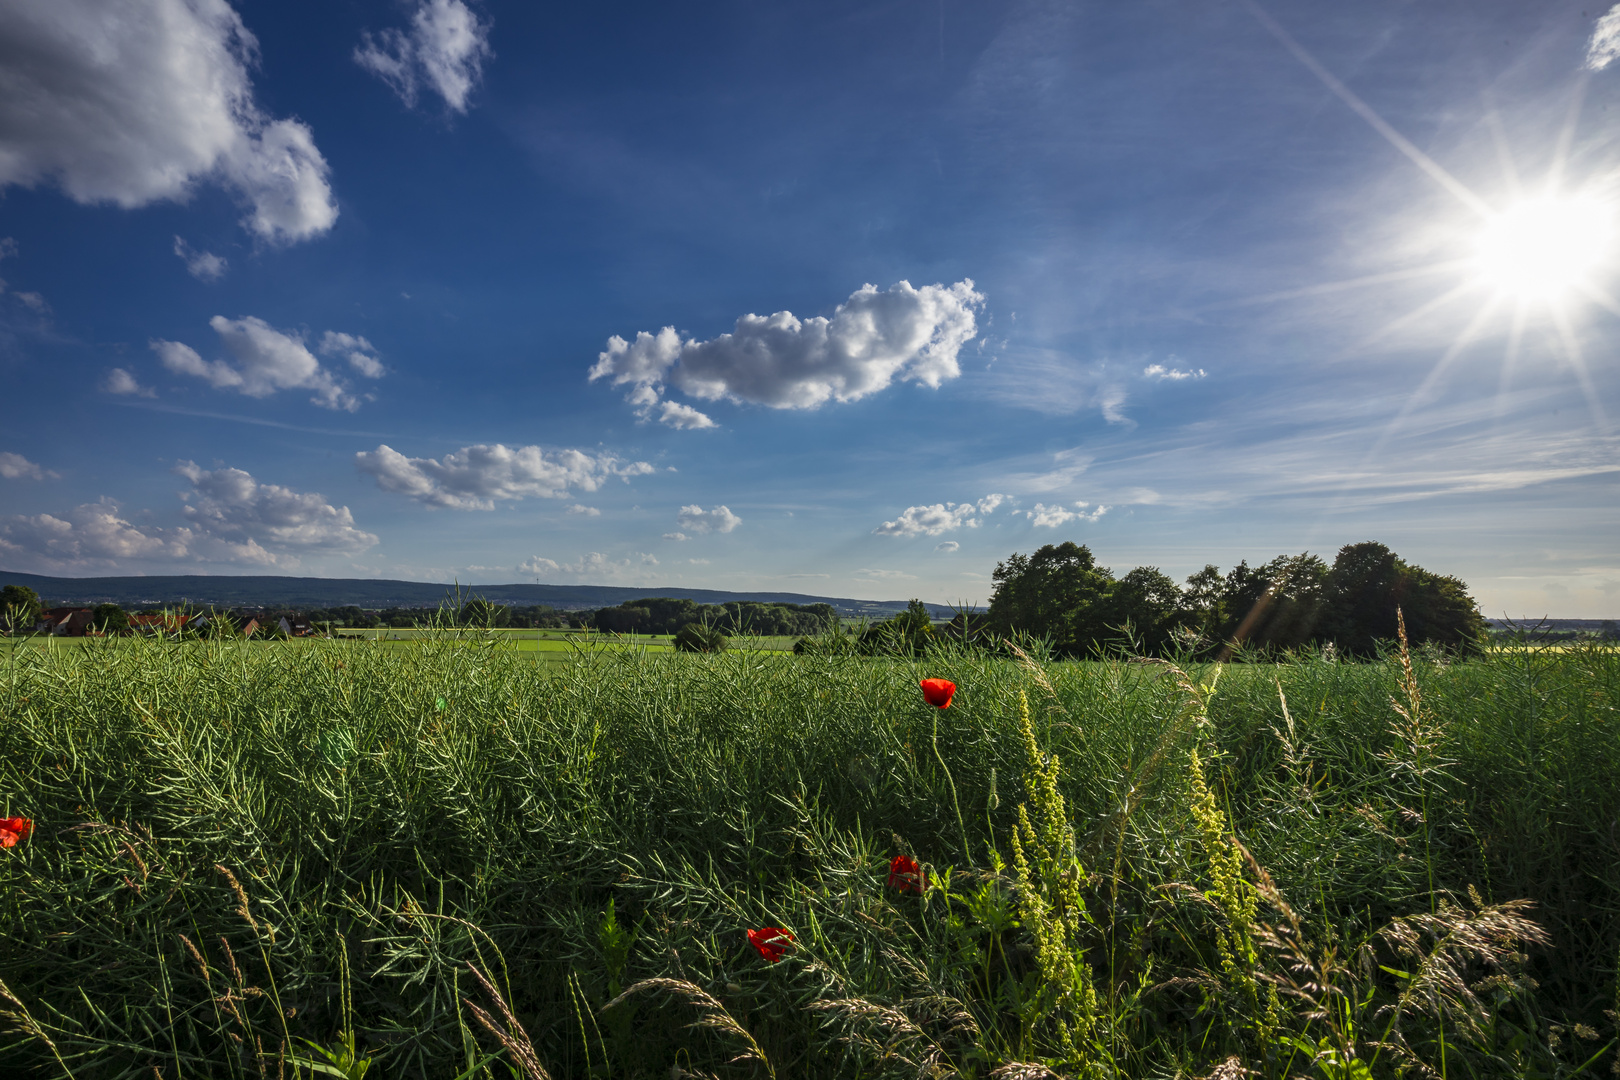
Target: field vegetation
(446, 860)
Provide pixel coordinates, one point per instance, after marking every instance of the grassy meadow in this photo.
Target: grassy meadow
(446, 859)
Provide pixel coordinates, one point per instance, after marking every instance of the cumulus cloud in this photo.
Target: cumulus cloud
(587, 511)
(593, 565)
(947, 545)
(939, 518)
(1050, 517)
(266, 360)
(202, 265)
(16, 467)
(676, 536)
(682, 416)
(231, 518)
(1604, 46)
(784, 362)
(444, 50)
(119, 381)
(360, 353)
(474, 477)
(229, 504)
(140, 101)
(1160, 372)
(699, 520)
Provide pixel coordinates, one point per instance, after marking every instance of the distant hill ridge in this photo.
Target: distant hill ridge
(204, 590)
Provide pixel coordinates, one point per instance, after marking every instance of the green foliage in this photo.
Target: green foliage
(110, 619)
(419, 857)
(1294, 601)
(667, 615)
(1369, 583)
(19, 608)
(698, 638)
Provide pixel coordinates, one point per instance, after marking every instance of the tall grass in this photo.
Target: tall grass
(453, 862)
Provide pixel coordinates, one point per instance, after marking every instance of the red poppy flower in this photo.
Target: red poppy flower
(13, 829)
(771, 942)
(907, 874)
(938, 692)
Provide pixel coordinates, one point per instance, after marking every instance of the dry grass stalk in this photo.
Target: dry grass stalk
(507, 1031)
(712, 1014)
(902, 1033)
(1023, 1070)
(241, 897)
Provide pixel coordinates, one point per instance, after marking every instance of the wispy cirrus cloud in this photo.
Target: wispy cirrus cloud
(594, 566)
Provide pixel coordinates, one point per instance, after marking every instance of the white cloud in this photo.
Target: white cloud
(1160, 372)
(675, 536)
(230, 504)
(140, 101)
(444, 49)
(885, 575)
(34, 301)
(474, 477)
(119, 381)
(594, 565)
(231, 518)
(699, 520)
(16, 467)
(267, 360)
(1050, 517)
(587, 511)
(1605, 44)
(202, 265)
(682, 416)
(360, 353)
(785, 362)
(947, 546)
(939, 518)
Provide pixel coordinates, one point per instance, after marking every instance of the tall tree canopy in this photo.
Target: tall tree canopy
(1291, 602)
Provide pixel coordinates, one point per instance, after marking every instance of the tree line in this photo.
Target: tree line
(1293, 601)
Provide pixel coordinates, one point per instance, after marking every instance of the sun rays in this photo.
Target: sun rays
(1538, 255)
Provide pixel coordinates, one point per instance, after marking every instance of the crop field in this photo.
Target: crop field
(541, 645)
(444, 859)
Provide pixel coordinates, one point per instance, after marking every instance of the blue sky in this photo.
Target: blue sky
(382, 289)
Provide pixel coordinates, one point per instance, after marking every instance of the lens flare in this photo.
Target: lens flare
(1541, 248)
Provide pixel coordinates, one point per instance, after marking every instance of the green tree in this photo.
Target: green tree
(1056, 593)
(1369, 581)
(696, 637)
(19, 608)
(110, 619)
(906, 634)
(1150, 602)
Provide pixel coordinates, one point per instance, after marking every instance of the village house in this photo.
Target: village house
(64, 622)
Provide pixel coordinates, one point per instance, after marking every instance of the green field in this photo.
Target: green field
(548, 645)
(241, 851)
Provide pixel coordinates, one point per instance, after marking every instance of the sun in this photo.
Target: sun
(1543, 248)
